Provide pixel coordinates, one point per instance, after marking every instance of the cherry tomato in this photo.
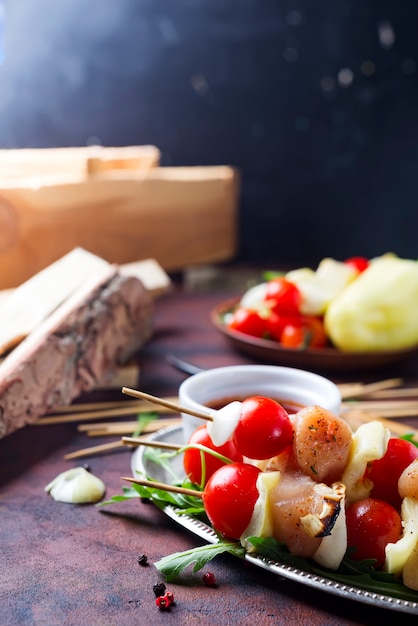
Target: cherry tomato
(247, 321)
(385, 472)
(316, 331)
(276, 322)
(230, 496)
(304, 332)
(264, 428)
(359, 263)
(371, 525)
(293, 336)
(192, 458)
(285, 296)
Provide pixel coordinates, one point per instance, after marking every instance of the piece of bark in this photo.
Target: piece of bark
(23, 308)
(32, 302)
(76, 349)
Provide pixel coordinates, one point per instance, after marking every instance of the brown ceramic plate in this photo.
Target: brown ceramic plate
(329, 359)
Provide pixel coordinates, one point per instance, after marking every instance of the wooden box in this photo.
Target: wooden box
(117, 203)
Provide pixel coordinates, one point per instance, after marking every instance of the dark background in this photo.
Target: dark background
(329, 168)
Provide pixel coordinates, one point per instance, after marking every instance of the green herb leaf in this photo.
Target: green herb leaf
(128, 494)
(187, 505)
(271, 274)
(174, 564)
(161, 459)
(359, 574)
(277, 551)
(143, 419)
(410, 437)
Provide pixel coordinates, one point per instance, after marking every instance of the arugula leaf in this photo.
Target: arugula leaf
(160, 497)
(359, 574)
(143, 419)
(128, 494)
(174, 564)
(161, 459)
(271, 274)
(277, 551)
(186, 505)
(410, 437)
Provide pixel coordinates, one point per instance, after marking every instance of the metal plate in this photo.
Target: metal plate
(139, 463)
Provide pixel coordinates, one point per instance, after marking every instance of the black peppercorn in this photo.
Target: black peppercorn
(159, 589)
(143, 559)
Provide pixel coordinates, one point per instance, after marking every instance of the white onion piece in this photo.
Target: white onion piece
(224, 423)
(397, 553)
(333, 547)
(76, 486)
(254, 296)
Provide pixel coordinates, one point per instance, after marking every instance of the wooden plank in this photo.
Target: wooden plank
(75, 161)
(178, 216)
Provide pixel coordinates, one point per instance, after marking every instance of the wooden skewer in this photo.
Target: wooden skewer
(125, 441)
(142, 441)
(357, 390)
(116, 429)
(163, 486)
(356, 417)
(91, 415)
(101, 406)
(90, 428)
(405, 392)
(384, 405)
(105, 447)
(168, 404)
(392, 412)
(126, 428)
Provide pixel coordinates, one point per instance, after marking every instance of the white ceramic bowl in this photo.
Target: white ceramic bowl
(285, 384)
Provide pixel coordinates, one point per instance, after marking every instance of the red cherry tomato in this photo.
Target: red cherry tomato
(359, 263)
(230, 496)
(299, 332)
(317, 337)
(276, 322)
(192, 458)
(385, 472)
(285, 296)
(247, 321)
(264, 428)
(293, 336)
(371, 525)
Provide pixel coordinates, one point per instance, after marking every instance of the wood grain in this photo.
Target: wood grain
(180, 216)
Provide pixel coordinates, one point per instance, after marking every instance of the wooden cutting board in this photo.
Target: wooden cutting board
(116, 203)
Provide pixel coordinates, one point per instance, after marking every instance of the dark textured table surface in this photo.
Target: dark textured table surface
(68, 564)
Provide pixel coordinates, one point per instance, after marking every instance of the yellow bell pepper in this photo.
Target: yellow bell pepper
(379, 310)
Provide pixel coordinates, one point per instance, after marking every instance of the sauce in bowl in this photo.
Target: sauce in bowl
(288, 405)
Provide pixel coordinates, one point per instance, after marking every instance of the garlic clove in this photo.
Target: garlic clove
(76, 486)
